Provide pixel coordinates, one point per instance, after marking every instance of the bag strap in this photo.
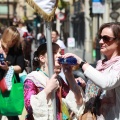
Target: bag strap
(14, 79)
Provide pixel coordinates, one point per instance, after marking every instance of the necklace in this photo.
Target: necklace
(38, 69)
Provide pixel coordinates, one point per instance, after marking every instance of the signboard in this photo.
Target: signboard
(114, 15)
(98, 7)
(60, 16)
(71, 42)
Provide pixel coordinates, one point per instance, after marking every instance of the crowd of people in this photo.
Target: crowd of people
(74, 97)
(11, 48)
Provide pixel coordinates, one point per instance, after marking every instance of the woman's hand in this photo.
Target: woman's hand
(67, 69)
(72, 83)
(52, 84)
(4, 66)
(82, 82)
(73, 55)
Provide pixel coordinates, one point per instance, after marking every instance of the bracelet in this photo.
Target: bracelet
(82, 63)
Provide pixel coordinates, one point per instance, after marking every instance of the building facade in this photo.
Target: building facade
(12, 10)
(83, 23)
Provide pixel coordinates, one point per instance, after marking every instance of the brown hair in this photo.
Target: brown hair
(56, 32)
(115, 27)
(42, 49)
(10, 34)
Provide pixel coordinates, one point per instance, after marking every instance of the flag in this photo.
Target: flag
(46, 8)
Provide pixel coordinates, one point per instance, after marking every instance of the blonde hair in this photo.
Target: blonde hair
(10, 34)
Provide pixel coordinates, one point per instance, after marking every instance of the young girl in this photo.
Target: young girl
(38, 88)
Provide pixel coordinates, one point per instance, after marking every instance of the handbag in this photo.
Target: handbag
(12, 102)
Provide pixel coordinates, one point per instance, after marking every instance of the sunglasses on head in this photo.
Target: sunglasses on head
(106, 38)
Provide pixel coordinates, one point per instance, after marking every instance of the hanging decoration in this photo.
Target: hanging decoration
(46, 8)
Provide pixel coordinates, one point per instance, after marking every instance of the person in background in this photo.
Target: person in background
(27, 49)
(56, 39)
(38, 88)
(22, 28)
(38, 38)
(11, 48)
(42, 39)
(104, 81)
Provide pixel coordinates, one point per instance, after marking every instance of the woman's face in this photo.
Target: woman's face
(108, 44)
(57, 66)
(56, 55)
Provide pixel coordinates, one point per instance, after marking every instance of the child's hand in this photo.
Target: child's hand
(52, 84)
(4, 66)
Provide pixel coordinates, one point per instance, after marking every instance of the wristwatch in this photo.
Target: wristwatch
(82, 63)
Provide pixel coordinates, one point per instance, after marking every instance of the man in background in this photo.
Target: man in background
(56, 39)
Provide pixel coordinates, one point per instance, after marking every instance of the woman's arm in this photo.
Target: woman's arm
(72, 83)
(20, 64)
(75, 98)
(70, 102)
(106, 81)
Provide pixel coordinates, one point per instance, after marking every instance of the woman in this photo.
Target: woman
(107, 73)
(11, 48)
(38, 87)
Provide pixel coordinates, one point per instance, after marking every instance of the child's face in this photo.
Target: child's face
(57, 66)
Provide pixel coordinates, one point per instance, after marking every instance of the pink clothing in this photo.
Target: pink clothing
(30, 88)
(103, 64)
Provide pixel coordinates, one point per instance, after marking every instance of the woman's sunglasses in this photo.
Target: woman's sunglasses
(106, 38)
